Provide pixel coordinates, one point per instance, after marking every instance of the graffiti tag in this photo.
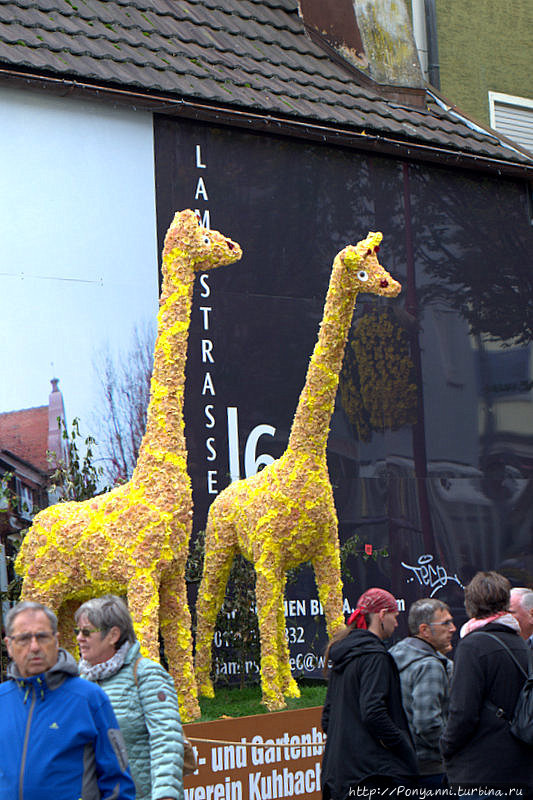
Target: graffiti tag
(432, 576)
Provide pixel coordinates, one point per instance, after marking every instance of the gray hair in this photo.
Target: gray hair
(524, 595)
(109, 612)
(28, 605)
(422, 613)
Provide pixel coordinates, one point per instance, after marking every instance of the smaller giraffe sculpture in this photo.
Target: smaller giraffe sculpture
(134, 540)
(285, 515)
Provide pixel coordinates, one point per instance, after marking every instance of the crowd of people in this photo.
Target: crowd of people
(107, 728)
(409, 718)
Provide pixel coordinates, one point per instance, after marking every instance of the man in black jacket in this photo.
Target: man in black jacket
(368, 741)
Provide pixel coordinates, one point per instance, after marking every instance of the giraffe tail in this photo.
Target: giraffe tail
(23, 558)
(27, 553)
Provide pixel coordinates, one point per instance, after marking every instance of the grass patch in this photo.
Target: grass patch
(232, 701)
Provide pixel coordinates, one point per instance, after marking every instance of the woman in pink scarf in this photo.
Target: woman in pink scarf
(479, 750)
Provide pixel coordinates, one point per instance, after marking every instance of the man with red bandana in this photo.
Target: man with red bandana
(368, 741)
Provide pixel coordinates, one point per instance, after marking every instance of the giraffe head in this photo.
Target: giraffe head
(366, 273)
(202, 248)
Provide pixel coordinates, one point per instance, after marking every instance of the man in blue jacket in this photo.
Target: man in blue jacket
(60, 737)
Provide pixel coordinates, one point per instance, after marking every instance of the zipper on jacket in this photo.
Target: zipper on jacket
(25, 746)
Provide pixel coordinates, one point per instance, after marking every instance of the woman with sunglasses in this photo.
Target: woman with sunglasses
(142, 694)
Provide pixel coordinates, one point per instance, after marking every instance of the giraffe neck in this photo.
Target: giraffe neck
(310, 428)
(163, 448)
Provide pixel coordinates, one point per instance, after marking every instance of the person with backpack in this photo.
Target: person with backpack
(491, 664)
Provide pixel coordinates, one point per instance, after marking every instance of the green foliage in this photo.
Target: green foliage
(354, 547)
(195, 561)
(10, 501)
(75, 477)
(237, 619)
(7, 496)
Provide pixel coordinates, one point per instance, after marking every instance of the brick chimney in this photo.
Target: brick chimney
(373, 36)
(56, 409)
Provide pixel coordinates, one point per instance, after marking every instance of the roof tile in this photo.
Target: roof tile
(247, 54)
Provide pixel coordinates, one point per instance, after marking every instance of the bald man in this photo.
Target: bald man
(521, 606)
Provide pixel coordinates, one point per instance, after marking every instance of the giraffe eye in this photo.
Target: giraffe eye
(206, 240)
(362, 275)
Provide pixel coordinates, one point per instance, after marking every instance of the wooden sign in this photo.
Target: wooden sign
(263, 757)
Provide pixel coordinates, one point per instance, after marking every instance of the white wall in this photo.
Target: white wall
(78, 260)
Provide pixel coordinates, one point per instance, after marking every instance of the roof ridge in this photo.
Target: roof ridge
(20, 410)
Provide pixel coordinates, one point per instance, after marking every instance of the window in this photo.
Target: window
(512, 116)
(25, 497)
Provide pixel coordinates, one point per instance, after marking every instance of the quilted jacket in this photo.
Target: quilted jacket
(149, 719)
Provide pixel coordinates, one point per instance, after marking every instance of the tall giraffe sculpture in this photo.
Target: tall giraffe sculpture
(285, 514)
(134, 540)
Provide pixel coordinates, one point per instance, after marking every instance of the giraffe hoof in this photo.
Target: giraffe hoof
(274, 703)
(191, 712)
(206, 689)
(292, 689)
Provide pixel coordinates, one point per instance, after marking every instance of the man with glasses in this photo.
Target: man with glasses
(60, 737)
(425, 675)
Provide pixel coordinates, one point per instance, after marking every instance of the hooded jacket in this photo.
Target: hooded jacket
(425, 675)
(60, 738)
(363, 717)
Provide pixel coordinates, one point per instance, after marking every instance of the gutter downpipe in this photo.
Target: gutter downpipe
(419, 32)
(432, 43)
(419, 428)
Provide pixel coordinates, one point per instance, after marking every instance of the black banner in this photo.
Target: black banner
(431, 445)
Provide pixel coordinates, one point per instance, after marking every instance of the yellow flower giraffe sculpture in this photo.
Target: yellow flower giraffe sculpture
(134, 539)
(285, 515)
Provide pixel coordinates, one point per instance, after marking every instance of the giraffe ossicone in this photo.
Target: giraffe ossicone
(134, 540)
(285, 515)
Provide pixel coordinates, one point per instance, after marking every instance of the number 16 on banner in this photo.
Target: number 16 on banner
(252, 461)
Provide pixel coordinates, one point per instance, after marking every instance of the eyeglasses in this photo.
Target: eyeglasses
(86, 632)
(24, 639)
(447, 622)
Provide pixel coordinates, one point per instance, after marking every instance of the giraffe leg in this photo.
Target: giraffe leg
(175, 622)
(50, 595)
(327, 568)
(268, 600)
(143, 603)
(288, 685)
(65, 626)
(218, 558)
